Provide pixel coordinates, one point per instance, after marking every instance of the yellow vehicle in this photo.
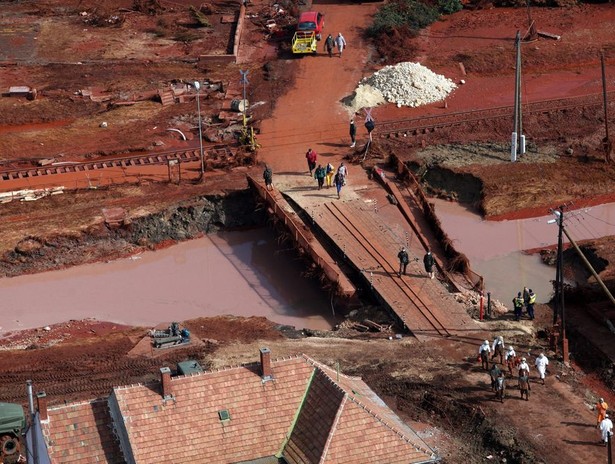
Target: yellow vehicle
(304, 42)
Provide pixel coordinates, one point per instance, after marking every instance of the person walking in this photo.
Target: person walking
(526, 296)
(500, 387)
(311, 157)
(268, 177)
(518, 306)
(343, 170)
(541, 365)
(370, 125)
(524, 370)
(511, 359)
(329, 45)
(403, 260)
(494, 373)
(338, 180)
(497, 348)
(483, 353)
(320, 175)
(429, 262)
(530, 304)
(353, 134)
(330, 172)
(601, 407)
(524, 386)
(606, 429)
(340, 43)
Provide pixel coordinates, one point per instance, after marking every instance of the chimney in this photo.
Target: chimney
(266, 373)
(165, 378)
(41, 405)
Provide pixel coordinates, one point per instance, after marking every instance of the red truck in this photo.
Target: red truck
(308, 32)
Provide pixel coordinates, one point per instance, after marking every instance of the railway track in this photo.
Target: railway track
(430, 123)
(415, 303)
(152, 159)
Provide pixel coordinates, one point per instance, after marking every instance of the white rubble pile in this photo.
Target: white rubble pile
(405, 84)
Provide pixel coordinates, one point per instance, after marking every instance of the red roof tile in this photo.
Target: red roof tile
(261, 413)
(81, 433)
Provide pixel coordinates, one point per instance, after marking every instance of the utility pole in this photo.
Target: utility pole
(518, 139)
(559, 281)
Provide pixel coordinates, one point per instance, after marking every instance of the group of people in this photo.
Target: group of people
(487, 353)
(404, 259)
(321, 173)
(526, 299)
(328, 173)
(339, 42)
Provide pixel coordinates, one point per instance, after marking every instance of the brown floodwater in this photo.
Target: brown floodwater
(495, 248)
(237, 273)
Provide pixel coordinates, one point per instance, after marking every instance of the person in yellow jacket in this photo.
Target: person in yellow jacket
(330, 170)
(518, 306)
(530, 304)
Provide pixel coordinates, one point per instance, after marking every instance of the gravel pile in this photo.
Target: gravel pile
(405, 84)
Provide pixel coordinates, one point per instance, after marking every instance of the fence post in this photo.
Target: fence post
(482, 299)
(489, 304)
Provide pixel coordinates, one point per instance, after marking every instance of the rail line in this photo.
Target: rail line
(425, 124)
(151, 159)
(380, 256)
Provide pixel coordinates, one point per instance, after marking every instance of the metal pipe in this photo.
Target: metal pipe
(32, 421)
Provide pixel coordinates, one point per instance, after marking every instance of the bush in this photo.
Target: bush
(449, 6)
(412, 14)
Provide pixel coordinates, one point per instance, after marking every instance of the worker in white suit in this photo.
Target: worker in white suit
(606, 429)
(541, 365)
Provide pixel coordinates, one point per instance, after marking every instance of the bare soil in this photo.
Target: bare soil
(127, 51)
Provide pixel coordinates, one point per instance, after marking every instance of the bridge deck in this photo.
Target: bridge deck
(370, 245)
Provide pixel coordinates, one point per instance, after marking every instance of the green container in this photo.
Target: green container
(12, 419)
(189, 367)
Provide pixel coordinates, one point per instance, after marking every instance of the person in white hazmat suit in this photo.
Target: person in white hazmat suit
(541, 365)
(606, 429)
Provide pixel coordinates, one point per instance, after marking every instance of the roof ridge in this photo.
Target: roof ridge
(80, 403)
(323, 368)
(384, 422)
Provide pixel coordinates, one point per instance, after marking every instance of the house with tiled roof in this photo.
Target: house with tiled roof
(291, 410)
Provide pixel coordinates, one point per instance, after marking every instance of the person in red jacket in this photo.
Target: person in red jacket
(311, 156)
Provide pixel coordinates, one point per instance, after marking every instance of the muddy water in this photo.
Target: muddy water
(495, 248)
(238, 273)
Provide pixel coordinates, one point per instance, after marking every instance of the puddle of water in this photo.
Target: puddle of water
(495, 248)
(238, 273)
